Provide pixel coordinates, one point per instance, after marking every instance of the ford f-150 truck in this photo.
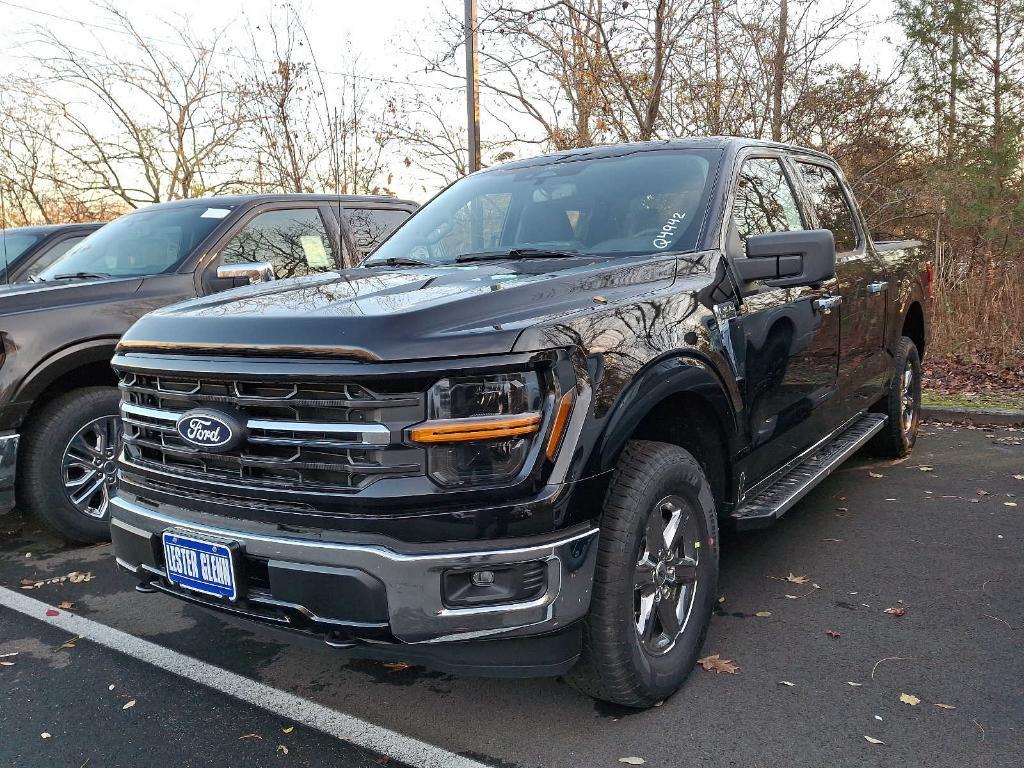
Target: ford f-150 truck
(59, 429)
(505, 442)
(27, 251)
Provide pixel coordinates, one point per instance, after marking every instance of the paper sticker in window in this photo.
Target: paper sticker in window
(215, 213)
(316, 254)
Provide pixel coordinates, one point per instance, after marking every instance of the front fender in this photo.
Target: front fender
(664, 378)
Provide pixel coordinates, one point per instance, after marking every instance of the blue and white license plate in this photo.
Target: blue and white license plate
(200, 564)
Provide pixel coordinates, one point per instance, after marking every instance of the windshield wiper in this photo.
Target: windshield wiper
(398, 262)
(80, 276)
(517, 253)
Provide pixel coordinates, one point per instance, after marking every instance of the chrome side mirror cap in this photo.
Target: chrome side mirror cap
(255, 272)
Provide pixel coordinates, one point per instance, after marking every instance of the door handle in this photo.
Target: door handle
(827, 303)
(877, 287)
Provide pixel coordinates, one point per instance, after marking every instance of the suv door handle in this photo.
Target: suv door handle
(827, 303)
(877, 287)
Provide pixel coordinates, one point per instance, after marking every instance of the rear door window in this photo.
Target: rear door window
(49, 256)
(830, 204)
(765, 201)
(295, 241)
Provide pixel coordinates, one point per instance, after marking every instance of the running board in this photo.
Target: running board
(769, 505)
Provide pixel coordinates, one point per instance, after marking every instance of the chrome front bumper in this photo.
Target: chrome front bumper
(410, 577)
(8, 471)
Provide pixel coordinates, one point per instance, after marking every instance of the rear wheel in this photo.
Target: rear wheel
(66, 467)
(655, 581)
(902, 404)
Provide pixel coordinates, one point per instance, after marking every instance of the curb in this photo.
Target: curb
(978, 417)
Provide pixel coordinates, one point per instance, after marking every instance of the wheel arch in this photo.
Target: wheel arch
(914, 327)
(82, 365)
(682, 401)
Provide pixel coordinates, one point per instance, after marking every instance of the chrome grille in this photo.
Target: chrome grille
(301, 436)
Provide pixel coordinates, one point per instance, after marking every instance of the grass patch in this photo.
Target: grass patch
(930, 397)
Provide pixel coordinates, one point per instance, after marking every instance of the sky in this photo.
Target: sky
(381, 34)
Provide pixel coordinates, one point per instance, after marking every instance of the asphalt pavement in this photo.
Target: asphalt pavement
(938, 537)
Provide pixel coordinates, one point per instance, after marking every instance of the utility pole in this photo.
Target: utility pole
(472, 88)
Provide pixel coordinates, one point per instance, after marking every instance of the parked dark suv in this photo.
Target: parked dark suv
(27, 251)
(59, 429)
(504, 443)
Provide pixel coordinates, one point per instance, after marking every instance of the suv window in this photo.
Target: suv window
(371, 226)
(295, 241)
(764, 199)
(830, 204)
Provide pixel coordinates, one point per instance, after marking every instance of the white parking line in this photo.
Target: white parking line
(289, 706)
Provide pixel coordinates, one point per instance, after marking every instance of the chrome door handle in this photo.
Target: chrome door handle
(877, 286)
(827, 303)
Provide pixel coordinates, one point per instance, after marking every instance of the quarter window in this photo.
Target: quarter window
(830, 204)
(294, 241)
(371, 226)
(764, 199)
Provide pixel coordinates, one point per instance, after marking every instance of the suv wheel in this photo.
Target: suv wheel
(902, 404)
(656, 578)
(66, 471)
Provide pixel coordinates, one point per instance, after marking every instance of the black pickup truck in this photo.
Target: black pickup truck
(59, 431)
(505, 442)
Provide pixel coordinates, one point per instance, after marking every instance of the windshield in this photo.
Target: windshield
(147, 242)
(13, 246)
(643, 203)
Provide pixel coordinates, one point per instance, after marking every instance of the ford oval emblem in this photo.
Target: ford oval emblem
(210, 430)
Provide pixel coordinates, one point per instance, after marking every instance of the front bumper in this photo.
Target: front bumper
(8, 471)
(366, 593)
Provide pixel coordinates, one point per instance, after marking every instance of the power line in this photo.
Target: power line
(211, 51)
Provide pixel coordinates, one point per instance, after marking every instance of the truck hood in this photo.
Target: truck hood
(401, 313)
(25, 297)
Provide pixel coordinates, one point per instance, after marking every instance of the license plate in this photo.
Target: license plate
(200, 564)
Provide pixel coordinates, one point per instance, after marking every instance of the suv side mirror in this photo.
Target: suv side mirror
(255, 272)
(787, 259)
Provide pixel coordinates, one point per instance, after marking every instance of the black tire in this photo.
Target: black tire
(617, 665)
(41, 478)
(898, 436)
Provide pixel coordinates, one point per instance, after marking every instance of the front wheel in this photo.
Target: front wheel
(66, 466)
(655, 581)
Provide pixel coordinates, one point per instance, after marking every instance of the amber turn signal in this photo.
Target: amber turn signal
(560, 423)
(481, 428)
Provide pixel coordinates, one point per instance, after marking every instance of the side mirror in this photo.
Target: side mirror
(255, 272)
(788, 259)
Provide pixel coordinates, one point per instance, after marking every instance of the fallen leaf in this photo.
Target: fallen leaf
(6, 663)
(250, 736)
(786, 683)
(44, 735)
(129, 705)
(1009, 503)
(833, 540)
(632, 760)
(69, 644)
(282, 749)
(53, 612)
(873, 741)
(1018, 477)
(925, 468)
(855, 685)
(8, 655)
(715, 663)
(833, 634)
(289, 729)
(945, 706)
(66, 605)
(875, 474)
(909, 698)
(27, 583)
(110, 687)
(982, 492)
(396, 666)
(763, 614)
(721, 599)
(895, 611)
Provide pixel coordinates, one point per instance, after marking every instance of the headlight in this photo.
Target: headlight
(480, 428)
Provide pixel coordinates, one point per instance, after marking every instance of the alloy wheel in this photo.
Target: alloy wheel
(908, 404)
(665, 576)
(89, 466)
